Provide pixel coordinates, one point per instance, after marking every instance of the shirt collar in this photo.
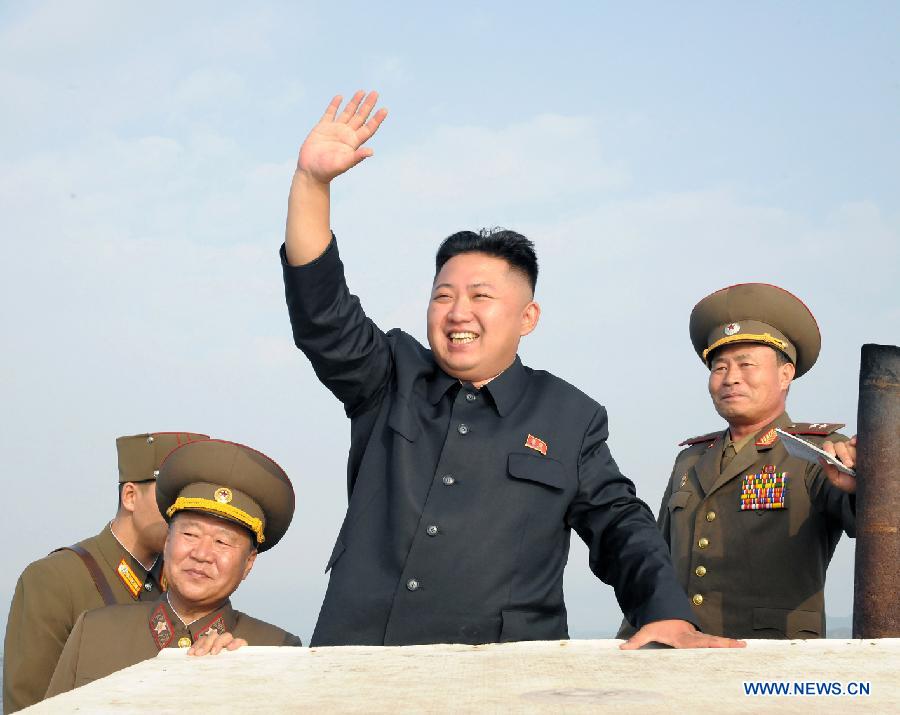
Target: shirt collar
(783, 420)
(508, 387)
(113, 551)
(221, 619)
(165, 623)
(439, 384)
(133, 557)
(505, 390)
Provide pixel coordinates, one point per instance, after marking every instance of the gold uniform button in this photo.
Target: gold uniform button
(710, 516)
(700, 571)
(697, 599)
(703, 543)
(184, 642)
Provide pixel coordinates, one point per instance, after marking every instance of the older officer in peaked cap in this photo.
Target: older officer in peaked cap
(225, 503)
(119, 565)
(750, 528)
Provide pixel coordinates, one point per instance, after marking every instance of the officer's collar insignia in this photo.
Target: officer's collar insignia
(217, 624)
(732, 329)
(129, 578)
(161, 627)
(683, 480)
(768, 439)
(764, 491)
(536, 444)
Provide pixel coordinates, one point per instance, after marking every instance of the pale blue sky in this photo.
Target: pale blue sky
(655, 153)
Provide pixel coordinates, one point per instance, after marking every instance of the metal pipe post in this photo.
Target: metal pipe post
(876, 588)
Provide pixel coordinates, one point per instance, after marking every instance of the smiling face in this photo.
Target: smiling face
(206, 559)
(747, 385)
(479, 310)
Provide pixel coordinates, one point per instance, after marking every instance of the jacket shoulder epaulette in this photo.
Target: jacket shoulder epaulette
(819, 429)
(698, 440)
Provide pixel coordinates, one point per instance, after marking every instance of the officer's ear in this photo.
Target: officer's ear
(786, 373)
(251, 559)
(127, 497)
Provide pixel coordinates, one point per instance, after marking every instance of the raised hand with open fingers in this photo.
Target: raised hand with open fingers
(335, 144)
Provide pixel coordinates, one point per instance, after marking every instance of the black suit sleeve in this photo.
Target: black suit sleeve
(626, 548)
(349, 353)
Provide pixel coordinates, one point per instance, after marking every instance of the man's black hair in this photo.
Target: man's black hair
(512, 247)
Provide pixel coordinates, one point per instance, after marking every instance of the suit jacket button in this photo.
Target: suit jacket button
(463, 429)
(432, 530)
(703, 543)
(710, 516)
(470, 397)
(700, 571)
(697, 599)
(448, 480)
(412, 585)
(184, 642)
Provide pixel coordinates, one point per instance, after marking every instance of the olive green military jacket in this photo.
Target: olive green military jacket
(50, 595)
(756, 571)
(110, 639)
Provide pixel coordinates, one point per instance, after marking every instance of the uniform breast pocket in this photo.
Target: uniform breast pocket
(543, 472)
(679, 500)
(680, 522)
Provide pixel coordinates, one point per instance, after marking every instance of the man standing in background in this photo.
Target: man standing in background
(121, 564)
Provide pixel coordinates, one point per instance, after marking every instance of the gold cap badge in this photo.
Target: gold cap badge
(223, 495)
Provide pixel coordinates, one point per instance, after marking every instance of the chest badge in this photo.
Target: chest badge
(766, 490)
(537, 444)
(129, 578)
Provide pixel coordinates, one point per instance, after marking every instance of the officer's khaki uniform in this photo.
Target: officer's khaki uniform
(52, 592)
(756, 572)
(50, 595)
(751, 533)
(213, 477)
(110, 639)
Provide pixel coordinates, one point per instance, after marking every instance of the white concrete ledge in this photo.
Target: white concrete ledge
(535, 677)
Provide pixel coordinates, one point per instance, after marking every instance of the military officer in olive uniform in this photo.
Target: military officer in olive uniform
(119, 565)
(225, 502)
(752, 529)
